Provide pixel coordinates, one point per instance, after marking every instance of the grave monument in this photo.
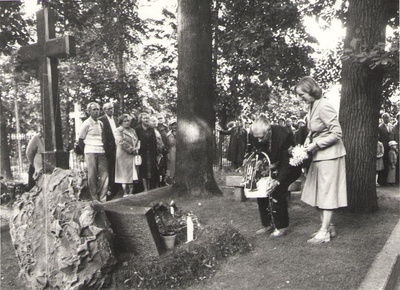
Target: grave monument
(61, 241)
(46, 52)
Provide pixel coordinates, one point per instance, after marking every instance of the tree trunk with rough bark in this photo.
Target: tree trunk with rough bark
(361, 101)
(195, 112)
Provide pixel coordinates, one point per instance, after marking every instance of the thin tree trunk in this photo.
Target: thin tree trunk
(121, 75)
(18, 126)
(360, 103)
(5, 164)
(195, 112)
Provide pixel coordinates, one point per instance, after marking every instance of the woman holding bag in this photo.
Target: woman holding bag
(325, 185)
(127, 149)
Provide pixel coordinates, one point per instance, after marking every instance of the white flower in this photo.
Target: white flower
(299, 154)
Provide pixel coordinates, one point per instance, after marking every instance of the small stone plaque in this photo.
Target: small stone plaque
(135, 229)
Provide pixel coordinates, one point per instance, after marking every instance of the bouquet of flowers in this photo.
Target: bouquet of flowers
(299, 154)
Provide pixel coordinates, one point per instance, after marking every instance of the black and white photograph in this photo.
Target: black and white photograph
(199, 144)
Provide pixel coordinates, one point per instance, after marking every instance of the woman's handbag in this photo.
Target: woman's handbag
(137, 160)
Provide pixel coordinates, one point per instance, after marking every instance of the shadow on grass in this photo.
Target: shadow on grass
(284, 263)
(289, 262)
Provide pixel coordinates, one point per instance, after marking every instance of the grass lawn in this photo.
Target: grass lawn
(289, 262)
(282, 263)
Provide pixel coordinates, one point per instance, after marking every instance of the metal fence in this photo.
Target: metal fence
(221, 152)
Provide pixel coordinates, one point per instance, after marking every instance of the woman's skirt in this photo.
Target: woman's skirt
(379, 164)
(325, 185)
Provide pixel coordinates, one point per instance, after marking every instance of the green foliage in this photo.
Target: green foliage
(383, 56)
(13, 27)
(261, 45)
(106, 34)
(26, 94)
(161, 59)
(328, 68)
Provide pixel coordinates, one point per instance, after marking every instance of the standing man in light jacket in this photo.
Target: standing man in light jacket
(91, 142)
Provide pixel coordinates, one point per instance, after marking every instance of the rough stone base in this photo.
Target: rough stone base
(61, 242)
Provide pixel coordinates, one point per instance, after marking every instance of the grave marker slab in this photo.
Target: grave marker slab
(135, 229)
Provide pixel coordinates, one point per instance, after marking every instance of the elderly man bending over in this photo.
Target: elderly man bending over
(275, 141)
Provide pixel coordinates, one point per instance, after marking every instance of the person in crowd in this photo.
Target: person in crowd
(282, 121)
(127, 148)
(237, 143)
(171, 145)
(91, 143)
(135, 119)
(301, 123)
(34, 152)
(395, 129)
(275, 141)
(230, 125)
(379, 160)
(109, 125)
(163, 129)
(153, 123)
(392, 161)
(325, 185)
(160, 147)
(247, 125)
(247, 128)
(294, 122)
(385, 135)
(396, 138)
(148, 172)
(301, 133)
(289, 125)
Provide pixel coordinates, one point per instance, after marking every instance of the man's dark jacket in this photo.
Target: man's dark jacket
(279, 154)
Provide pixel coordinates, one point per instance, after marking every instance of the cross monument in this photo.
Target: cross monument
(78, 115)
(46, 52)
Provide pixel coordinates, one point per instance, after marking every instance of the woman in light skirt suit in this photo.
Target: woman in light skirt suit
(325, 185)
(127, 147)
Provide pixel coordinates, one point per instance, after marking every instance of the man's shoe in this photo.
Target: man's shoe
(265, 230)
(278, 233)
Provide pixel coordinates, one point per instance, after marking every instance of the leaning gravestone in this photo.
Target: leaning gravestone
(61, 242)
(135, 229)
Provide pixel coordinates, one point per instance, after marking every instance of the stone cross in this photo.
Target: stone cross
(77, 115)
(45, 52)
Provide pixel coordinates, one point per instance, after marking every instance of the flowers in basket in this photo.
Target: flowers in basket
(299, 155)
(173, 221)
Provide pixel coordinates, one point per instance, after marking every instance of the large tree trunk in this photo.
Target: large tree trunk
(5, 166)
(195, 112)
(360, 102)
